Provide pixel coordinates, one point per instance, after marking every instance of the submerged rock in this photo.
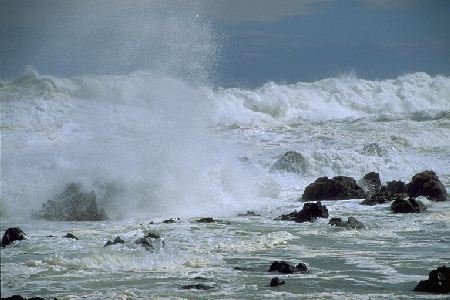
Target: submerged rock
(410, 205)
(438, 281)
(337, 188)
(276, 282)
(382, 197)
(249, 213)
(206, 220)
(371, 183)
(291, 161)
(286, 268)
(198, 286)
(171, 220)
(309, 213)
(70, 236)
(351, 223)
(151, 242)
(117, 240)
(427, 184)
(12, 234)
(72, 205)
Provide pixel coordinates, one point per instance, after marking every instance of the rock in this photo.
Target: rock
(18, 297)
(206, 220)
(382, 197)
(70, 236)
(410, 205)
(117, 240)
(249, 213)
(374, 149)
(286, 268)
(199, 286)
(438, 281)
(13, 234)
(351, 223)
(152, 241)
(427, 184)
(244, 159)
(291, 161)
(72, 205)
(337, 188)
(276, 282)
(394, 187)
(371, 183)
(309, 213)
(171, 220)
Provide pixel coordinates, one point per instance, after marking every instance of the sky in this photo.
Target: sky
(252, 41)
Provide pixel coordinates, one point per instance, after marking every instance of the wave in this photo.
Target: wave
(416, 96)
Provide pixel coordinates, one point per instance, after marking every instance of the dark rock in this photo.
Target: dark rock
(351, 223)
(276, 282)
(72, 205)
(199, 286)
(244, 159)
(374, 149)
(394, 187)
(309, 213)
(249, 213)
(152, 241)
(427, 184)
(410, 205)
(286, 268)
(291, 161)
(243, 269)
(382, 197)
(70, 236)
(18, 297)
(438, 281)
(117, 240)
(13, 234)
(337, 188)
(206, 220)
(171, 220)
(371, 183)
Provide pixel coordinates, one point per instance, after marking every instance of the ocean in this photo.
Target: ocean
(153, 146)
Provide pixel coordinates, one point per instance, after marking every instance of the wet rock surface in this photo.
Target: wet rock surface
(309, 213)
(337, 188)
(117, 240)
(410, 205)
(371, 183)
(249, 213)
(286, 268)
(394, 187)
(351, 223)
(291, 161)
(72, 205)
(70, 236)
(276, 282)
(171, 220)
(427, 184)
(206, 220)
(438, 281)
(382, 197)
(151, 242)
(199, 286)
(13, 234)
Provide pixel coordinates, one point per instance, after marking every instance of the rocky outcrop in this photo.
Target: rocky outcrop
(70, 236)
(206, 220)
(276, 282)
(18, 297)
(72, 205)
(249, 213)
(351, 223)
(117, 240)
(438, 281)
(309, 213)
(198, 286)
(410, 205)
(337, 188)
(151, 242)
(291, 161)
(427, 184)
(371, 183)
(382, 197)
(13, 234)
(171, 220)
(394, 187)
(286, 268)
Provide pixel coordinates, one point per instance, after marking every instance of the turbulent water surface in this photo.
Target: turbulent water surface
(153, 147)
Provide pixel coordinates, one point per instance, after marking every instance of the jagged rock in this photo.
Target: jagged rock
(427, 184)
(309, 213)
(196, 287)
(394, 187)
(70, 236)
(286, 268)
(249, 213)
(438, 281)
(382, 197)
(13, 234)
(72, 205)
(337, 188)
(276, 282)
(410, 205)
(206, 220)
(374, 149)
(291, 161)
(371, 183)
(117, 240)
(351, 223)
(152, 241)
(171, 220)
(18, 297)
